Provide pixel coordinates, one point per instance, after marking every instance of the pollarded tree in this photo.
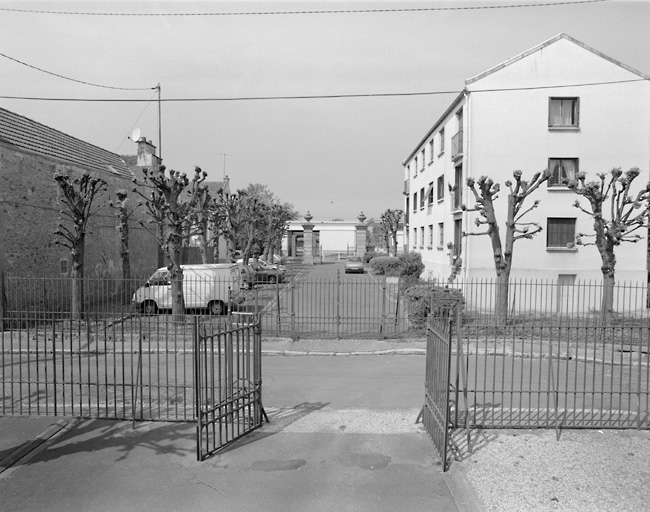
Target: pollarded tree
(485, 193)
(390, 221)
(172, 216)
(123, 212)
(279, 214)
(77, 195)
(628, 212)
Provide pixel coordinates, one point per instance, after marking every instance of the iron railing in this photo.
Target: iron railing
(554, 360)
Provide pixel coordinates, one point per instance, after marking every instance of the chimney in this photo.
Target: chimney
(147, 154)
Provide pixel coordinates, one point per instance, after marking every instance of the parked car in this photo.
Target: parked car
(354, 264)
(254, 273)
(272, 266)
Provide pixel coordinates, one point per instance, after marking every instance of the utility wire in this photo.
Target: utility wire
(74, 80)
(318, 96)
(281, 13)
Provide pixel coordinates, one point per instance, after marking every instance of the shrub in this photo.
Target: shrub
(426, 299)
(385, 265)
(411, 264)
(368, 256)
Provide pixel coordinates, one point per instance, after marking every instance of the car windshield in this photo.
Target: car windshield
(355, 259)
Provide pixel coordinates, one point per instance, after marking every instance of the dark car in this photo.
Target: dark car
(354, 264)
(254, 273)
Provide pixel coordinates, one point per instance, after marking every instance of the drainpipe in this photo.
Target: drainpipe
(466, 158)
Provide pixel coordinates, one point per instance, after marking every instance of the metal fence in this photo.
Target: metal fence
(335, 308)
(133, 367)
(550, 365)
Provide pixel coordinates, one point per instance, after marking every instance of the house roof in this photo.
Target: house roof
(544, 45)
(215, 186)
(29, 135)
(506, 63)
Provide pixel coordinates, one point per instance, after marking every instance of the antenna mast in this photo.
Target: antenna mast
(159, 123)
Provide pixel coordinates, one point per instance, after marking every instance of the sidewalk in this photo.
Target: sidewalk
(342, 437)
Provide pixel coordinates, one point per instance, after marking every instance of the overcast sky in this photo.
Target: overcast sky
(334, 157)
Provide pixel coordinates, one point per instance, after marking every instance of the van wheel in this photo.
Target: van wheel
(272, 279)
(216, 307)
(149, 307)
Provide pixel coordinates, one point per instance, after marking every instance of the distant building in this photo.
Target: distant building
(331, 238)
(560, 105)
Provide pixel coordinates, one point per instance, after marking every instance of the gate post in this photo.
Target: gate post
(293, 308)
(338, 304)
(197, 387)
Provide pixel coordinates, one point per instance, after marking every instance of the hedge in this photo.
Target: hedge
(426, 299)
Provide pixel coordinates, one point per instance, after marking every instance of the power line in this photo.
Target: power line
(284, 13)
(317, 96)
(75, 80)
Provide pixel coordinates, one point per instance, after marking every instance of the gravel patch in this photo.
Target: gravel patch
(586, 470)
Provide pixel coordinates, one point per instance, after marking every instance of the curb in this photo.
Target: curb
(464, 495)
(39, 443)
(388, 352)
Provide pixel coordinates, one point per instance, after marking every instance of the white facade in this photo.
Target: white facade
(558, 103)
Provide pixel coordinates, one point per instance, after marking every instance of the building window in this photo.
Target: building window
(63, 266)
(431, 151)
(563, 170)
(563, 112)
(441, 235)
(458, 187)
(422, 198)
(421, 236)
(430, 242)
(414, 167)
(441, 188)
(415, 237)
(560, 232)
(442, 140)
(415, 201)
(458, 238)
(422, 160)
(430, 194)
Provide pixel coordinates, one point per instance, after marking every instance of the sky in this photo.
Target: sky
(332, 156)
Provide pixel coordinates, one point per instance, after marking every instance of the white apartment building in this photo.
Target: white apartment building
(560, 105)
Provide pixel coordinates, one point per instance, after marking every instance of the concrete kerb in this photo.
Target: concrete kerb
(389, 352)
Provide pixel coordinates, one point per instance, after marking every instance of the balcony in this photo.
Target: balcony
(457, 145)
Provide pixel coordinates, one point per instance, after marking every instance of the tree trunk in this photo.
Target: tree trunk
(176, 278)
(215, 250)
(77, 283)
(607, 307)
(126, 261)
(203, 248)
(501, 304)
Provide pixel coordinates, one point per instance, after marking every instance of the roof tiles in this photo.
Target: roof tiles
(29, 135)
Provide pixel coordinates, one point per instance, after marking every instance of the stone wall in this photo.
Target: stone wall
(29, 212)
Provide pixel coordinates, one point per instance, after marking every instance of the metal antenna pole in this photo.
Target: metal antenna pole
(224, 162)
(159, 123)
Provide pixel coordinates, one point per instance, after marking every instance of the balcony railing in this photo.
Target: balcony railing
(457, 145)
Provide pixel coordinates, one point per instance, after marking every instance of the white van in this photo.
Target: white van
(215, 287)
